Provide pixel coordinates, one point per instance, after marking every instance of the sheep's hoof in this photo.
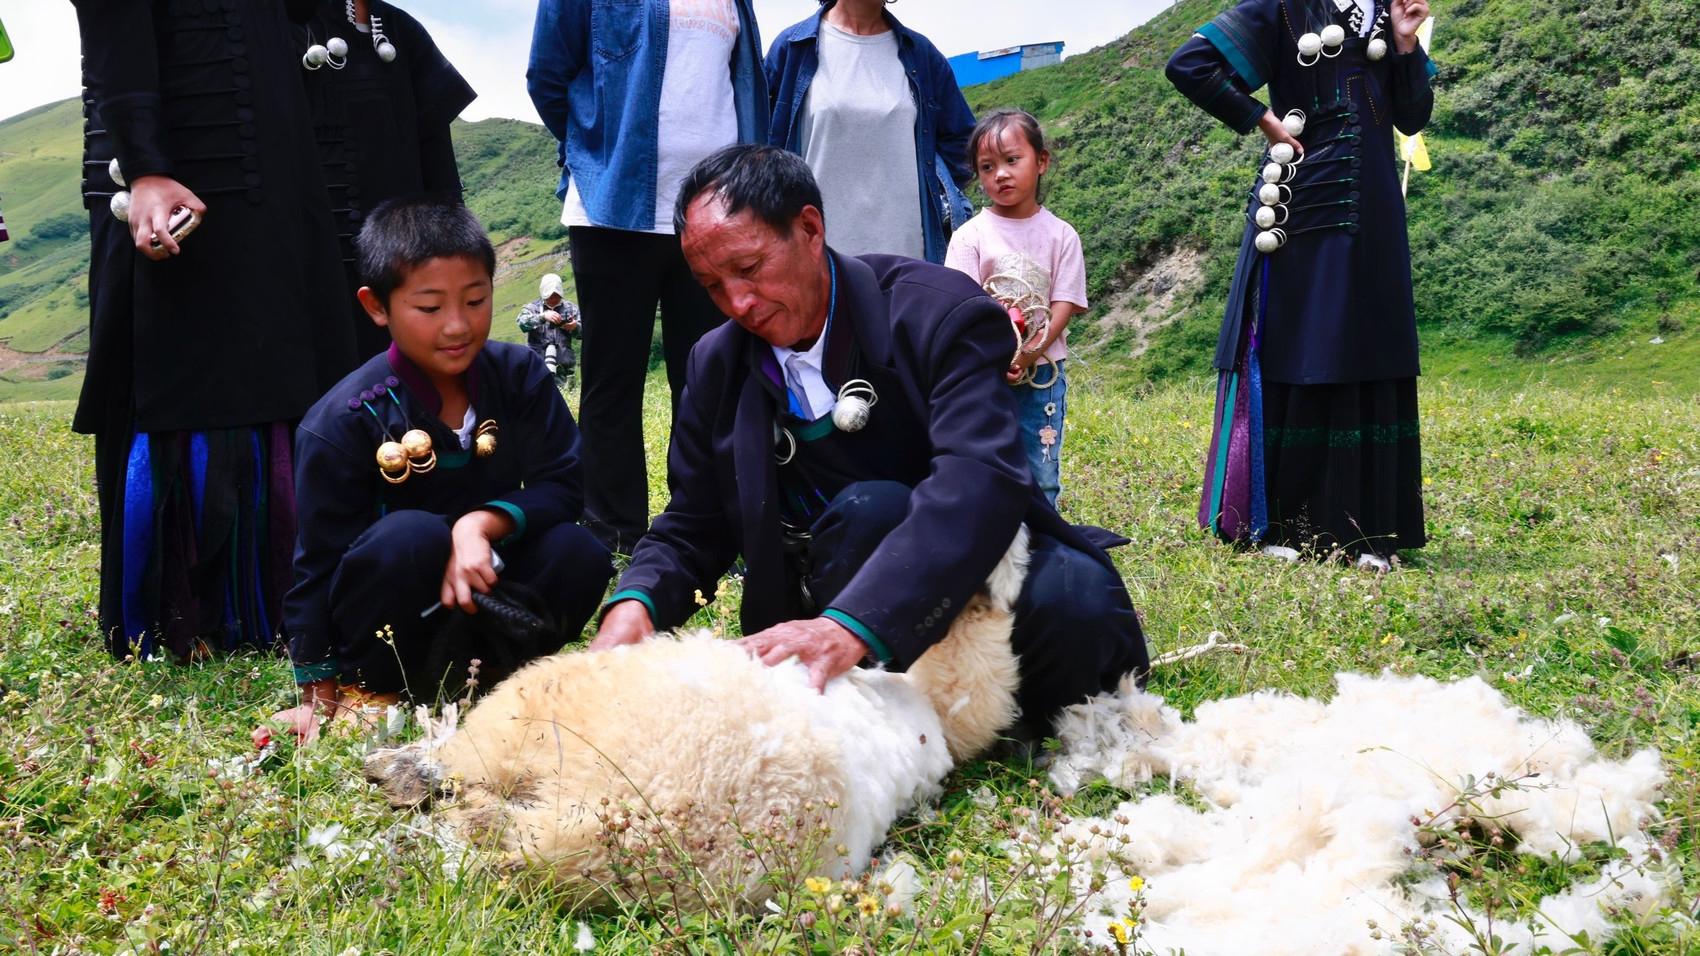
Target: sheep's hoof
(407, 777)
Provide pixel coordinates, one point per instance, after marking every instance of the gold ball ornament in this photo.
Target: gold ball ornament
(417, 443)
(392, 462)
(484, 445)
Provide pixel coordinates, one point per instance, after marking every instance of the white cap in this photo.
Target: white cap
(551, 285)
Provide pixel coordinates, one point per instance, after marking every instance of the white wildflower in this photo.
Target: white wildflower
(325, 838)
(904, 883)
(584, 942)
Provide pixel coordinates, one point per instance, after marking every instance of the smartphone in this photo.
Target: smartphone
(183, 221)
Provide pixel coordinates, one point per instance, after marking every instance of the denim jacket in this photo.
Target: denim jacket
(595, 78)
(942, 125)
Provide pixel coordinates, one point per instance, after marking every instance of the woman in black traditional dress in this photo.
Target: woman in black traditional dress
(382, 97)
(1315, 440)
(201, 354)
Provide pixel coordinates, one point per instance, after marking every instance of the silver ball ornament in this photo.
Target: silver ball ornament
(316, 56)
(121, 206)
(1269, 240)
(1265, 216)
(1310, 44)
(1294, 123)
(1272, 173)
(1333, 35)
(1281, 152)
(1269, 194)
(850, 414)
(1377, 49)
(386, 51)
(337, 47)
(114, 173)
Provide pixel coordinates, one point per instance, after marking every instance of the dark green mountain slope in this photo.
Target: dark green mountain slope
(1562, 205)
(1559, 223)
(508, 168)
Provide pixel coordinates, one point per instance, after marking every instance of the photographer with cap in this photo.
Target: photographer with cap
(549, 322)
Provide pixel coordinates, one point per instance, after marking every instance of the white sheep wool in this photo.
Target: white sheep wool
(1295, 832)
(688, 732)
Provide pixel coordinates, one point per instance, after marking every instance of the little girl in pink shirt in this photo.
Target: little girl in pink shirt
(1017, 247)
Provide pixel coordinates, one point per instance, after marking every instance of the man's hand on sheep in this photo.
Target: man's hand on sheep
(625, 623)
(826, 647)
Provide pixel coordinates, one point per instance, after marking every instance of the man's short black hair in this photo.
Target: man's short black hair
(773, 183)
(401, 234)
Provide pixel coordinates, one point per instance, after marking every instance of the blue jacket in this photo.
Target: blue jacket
(595, 78)
(942, 126)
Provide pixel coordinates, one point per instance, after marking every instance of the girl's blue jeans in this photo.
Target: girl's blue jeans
(1038, 409)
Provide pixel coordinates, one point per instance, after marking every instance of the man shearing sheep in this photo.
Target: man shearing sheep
(862, 534)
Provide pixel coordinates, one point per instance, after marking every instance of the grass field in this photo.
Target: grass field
(1564, 568)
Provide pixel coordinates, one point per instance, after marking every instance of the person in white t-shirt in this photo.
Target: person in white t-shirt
(636, 94)
(1030, 260)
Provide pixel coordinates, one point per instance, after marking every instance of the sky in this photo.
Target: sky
(488, 40)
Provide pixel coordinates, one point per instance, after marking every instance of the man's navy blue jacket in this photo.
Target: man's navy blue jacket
(935, 348)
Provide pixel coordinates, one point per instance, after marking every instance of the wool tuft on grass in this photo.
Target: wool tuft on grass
(1298, 826)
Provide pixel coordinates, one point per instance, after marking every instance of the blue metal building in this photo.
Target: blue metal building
(987, 65)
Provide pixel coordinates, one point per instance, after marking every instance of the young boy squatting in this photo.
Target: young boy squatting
(390, 523)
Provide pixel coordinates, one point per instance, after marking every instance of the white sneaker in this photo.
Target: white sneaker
(1281, 552)
(1374, 562)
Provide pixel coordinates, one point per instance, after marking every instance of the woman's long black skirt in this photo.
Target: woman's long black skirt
(1340, 466)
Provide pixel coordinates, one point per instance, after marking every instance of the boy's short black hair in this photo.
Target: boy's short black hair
(402, 233)
(773, 183)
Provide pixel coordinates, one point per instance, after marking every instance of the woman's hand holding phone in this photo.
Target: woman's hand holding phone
(153, 202)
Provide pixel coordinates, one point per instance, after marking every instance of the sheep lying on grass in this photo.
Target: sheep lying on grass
(1297, 826)
(682, 762)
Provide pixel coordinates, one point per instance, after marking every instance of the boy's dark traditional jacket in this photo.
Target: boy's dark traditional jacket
(934, 348)
(533, 474)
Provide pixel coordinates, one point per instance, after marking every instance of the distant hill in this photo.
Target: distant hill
(1561, 208)
(508, 168)
(1557, 233)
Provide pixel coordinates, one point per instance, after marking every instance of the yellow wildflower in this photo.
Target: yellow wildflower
(817, 885)
(1119, 931)
(868, 905)
(1136, 884)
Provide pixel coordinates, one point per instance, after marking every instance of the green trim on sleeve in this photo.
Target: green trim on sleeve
(513, 511)
(308, 673)
(631, 595)
(1228, 38)
(877, 646)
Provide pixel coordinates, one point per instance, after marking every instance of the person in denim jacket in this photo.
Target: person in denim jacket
(636, 92)
(837, 80)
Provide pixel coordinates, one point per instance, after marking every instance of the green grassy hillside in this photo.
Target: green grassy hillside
(1557, 224)
(1555, 237)
(508, 168)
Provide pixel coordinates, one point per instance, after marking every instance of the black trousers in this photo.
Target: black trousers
(394, 571)
(621, 277)
(1075, 631)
